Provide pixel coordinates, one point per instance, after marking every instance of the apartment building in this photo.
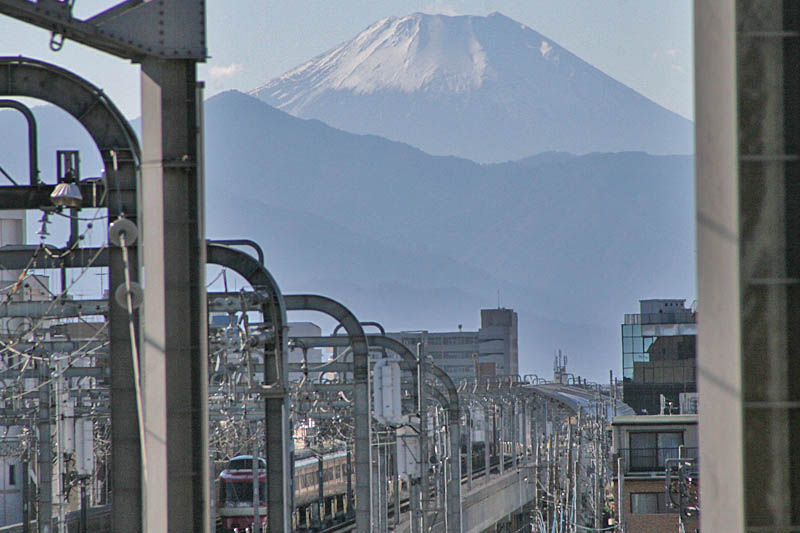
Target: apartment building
(656, 485)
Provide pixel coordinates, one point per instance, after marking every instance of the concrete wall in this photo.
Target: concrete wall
(651, 523)
(12, 231)
(500, 324)
(719, 335)
(748, 197)
(487, 504)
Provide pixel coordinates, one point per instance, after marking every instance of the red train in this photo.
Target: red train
(235, 492)
(235, 495)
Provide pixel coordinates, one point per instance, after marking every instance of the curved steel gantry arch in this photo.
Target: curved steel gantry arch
(361, 395)
(33, 139)
(450, 402)
(276, 374)
(167, 39)
(120, 153)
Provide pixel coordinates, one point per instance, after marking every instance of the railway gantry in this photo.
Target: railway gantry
(363, 467)
(551, 437)
(424, 466)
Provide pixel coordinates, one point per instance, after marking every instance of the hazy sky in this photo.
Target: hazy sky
(645, 44)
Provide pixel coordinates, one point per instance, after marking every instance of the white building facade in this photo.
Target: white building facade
(490, 351)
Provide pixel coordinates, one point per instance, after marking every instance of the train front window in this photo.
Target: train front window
(240, 493)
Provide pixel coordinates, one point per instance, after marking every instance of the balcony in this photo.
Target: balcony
(651, 460)
(684, 316)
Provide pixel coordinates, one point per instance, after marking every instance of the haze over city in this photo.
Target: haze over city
(386, 266)
(560, 278)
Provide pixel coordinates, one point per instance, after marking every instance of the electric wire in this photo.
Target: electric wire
(53, 302)
(55, 375)
(134, 353)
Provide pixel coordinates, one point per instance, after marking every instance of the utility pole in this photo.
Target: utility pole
(45, 515)
(620, 494)
(423, 436)
(576, 473)
(84, 525)
(61, 490)
(568, 491)
(468, 459)
(25, 492)
(487, 443)
(256, 495)
(320, 490)
(349, 496)
(396, 478)
(598, 470)
(414, 504)
(500, 444)
(514, 433)
(536, 501)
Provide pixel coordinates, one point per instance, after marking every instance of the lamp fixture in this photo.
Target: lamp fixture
(66, 195)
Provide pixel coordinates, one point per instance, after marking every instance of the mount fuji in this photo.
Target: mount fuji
(485, 88)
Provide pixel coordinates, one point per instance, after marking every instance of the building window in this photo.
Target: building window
(648, 503)
(12, 474)
(649, 450)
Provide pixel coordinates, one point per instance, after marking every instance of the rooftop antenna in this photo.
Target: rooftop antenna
(498, 298)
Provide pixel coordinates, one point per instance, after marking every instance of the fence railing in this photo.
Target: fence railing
(674, 317)
(651, 459)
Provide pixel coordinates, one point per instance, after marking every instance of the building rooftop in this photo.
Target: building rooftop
(654, 420)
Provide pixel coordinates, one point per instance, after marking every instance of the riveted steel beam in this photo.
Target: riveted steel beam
(361, 396)
(451, 402)
(276, 372)
(133, 30)
(119, 150)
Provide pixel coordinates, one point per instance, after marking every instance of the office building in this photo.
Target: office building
(659, 353)
(490, 351)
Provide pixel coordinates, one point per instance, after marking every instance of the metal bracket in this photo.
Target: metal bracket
(270, 391)
(133, 29)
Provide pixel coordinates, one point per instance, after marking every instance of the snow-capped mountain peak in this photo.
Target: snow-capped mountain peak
(486, 88)
(435, 52)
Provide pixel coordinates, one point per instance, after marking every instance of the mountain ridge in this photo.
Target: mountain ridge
(570, 241)
(419, 241)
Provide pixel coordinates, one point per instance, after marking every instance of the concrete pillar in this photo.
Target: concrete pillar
(488, 439)
(500, 425)
(45, 451)
(423, 437)
(468, 460)
(748, 200)
(174, 318)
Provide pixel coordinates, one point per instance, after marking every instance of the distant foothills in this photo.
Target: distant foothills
(421, 241)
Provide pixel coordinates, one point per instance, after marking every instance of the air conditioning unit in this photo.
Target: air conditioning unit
(688, 401)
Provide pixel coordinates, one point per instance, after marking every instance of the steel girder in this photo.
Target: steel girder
(361, 396)
(451, 402)
(119, 150)
(276, 376)
(132, 29)
(260, 277)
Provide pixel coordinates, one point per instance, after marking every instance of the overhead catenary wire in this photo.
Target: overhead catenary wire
(134, 353)
(56, 375)
(53, 302)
